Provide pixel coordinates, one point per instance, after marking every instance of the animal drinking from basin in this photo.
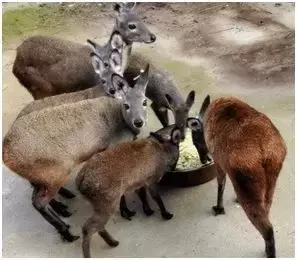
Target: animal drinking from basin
(246, 145)
(125, 168)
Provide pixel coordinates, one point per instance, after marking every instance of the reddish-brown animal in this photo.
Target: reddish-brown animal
(245, 144)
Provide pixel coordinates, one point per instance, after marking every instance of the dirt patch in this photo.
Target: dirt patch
(245, 39)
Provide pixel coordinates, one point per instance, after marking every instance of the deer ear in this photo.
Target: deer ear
(194, 124)
(130, 6)
(97, 63)
(176, 136)
(116, 42)
(204, 107)
(190, 99)
(118, 7)
(115, 61)
(120, 85)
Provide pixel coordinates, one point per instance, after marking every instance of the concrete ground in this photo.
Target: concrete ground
(217, 49)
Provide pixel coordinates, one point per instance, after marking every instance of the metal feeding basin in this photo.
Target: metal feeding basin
(190, 177)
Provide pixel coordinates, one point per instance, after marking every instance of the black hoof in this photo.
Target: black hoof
(148, 211)
(67, 236)
(167, 215)
(218, 210)
(236, 200)
(270, 252)
(127, 214)
(66, 193)
(113, 243)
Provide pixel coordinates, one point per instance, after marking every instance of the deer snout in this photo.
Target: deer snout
(138, 123)
(153, 38)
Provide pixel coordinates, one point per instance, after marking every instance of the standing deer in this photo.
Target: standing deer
(246, 145)
(124, 168)
(48, 66)
(45, 146)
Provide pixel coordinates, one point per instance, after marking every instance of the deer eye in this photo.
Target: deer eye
(194, 123)
(132, 26)
(103, 81)
(144, 103)
(106, 65)
(126, 106)
(120, 85)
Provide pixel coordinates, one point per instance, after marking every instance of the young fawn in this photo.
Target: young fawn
(246, 145)
(45, 146)
(48, 66)
(121, 169)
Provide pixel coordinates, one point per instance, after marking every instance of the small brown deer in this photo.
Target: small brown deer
(245, 144)
(124, 168)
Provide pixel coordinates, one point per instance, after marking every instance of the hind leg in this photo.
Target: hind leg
(161, 113)
(251, 191)
(258, 215)
(97, 223)
(40, 199)
(221, 179)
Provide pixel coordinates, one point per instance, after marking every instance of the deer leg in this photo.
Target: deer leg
(251, 192)
(221, 179)
(258, 215)
(66, 193)
(94, 224)
(125, 212)
(145, 205)
(161, 113)
(60, 208)
(156, 196)
(40, 198)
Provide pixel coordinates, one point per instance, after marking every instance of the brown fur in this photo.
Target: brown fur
(41, 74)
(245, 144)
(108, 175)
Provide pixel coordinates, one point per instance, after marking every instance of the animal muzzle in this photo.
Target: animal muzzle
(151, 38)
(138, 123)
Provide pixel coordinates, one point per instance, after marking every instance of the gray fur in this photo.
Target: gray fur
(49, 66)
(45, 145)
(162, 91)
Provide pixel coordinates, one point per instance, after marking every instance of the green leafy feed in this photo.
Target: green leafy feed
(188, 155)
